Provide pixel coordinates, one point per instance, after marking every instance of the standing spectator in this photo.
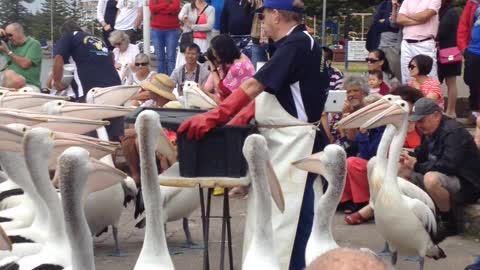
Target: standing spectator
(165, 32)
(468, 41)
(94, 64)
(335, 75)
(420, 66)
(24, 54)
(106, 13)
(447, 38)
(197, 16)
(419, 19)
(191, 70)
(377, 61)
(390, 34)
(129, 18)
(229, 68)
(237, 21)
(124, 55)
(218, 6)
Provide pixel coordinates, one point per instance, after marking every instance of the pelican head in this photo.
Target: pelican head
(357, 118)
(331, 162)
(148, 120)
(114, 95)
(84, 110)
(394, 114)
(25, 100)
(255, 149)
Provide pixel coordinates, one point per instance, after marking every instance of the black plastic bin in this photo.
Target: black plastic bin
(170, 118)
(219, 153)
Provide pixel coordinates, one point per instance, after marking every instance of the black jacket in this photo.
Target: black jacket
(452, 151)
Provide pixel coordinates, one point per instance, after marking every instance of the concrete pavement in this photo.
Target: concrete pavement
(461, 250)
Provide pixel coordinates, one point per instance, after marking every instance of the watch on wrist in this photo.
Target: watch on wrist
(9, 53)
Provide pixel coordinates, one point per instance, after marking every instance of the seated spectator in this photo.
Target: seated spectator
(411, 95)
(445, 164)
(347, 259)
(191, 70)
(160, 91)
(376, 83)
(377, 61)
(124, 55)
(23, 54)
(229, 68)
(336, 76)
(420, 66)
(356, 193)
(143, 72)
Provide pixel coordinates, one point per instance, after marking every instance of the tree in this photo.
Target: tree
(62, 10)
(13, 11)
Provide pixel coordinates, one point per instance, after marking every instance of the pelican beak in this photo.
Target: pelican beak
(5, 243)
(68, 124)
(357, 118)
(275, 188)
(10, 139)
(310, 164)
(392, 115)
(103, 176)
(116, 95)
(97, 148)
(94, 111)
(26, 100)
(7, 117)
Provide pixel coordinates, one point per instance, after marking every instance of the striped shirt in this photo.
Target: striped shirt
(336, 78)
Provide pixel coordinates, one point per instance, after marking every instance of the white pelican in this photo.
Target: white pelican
(399, 217)
(330, 163)
(113, 95)
(25, 100)
(154, 253)
(259, 254)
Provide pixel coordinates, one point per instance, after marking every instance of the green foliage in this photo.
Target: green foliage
(13, 11)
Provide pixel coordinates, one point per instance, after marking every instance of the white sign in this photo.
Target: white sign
(357, 51)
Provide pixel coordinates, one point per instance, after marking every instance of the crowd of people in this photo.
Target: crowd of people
(414, 46)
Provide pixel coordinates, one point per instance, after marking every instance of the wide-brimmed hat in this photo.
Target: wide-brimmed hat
(161, 85)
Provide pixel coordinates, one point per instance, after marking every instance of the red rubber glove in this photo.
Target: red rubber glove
(201, 124)
(244, 116)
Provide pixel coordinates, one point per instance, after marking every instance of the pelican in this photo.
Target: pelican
(331, 163)
(399, 217)
(113, 95)
(260, 253)
(25, 100)
(56, 251)
(154, 253)
(196, 98)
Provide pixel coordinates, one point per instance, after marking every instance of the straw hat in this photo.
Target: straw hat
(161, 85)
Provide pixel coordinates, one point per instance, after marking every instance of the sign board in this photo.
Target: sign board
(357, 51)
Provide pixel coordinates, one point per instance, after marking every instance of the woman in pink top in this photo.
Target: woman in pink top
(419, 67)
(228, 67)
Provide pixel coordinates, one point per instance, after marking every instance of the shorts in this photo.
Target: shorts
(450, 182)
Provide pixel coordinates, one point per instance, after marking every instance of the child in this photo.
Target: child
(376, 84)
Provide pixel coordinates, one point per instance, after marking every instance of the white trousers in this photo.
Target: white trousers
(409, 50)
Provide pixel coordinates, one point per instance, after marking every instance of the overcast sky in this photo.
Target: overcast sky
(34, 6)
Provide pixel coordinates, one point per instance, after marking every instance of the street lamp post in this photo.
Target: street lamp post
(324, 17)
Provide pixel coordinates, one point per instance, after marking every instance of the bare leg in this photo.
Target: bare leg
(452, 95)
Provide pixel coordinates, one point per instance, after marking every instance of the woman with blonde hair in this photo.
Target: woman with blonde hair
(124, 55)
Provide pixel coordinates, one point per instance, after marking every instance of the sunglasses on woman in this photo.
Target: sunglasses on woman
(141, 64)
(411, 66)
(371, 60)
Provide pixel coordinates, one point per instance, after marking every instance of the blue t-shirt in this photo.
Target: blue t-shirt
(474, 46)
(218, 5)
(94, 63)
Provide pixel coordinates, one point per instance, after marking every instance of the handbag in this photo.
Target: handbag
(186, 38)
(450, 55)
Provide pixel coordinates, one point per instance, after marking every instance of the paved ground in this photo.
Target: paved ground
(460, 250)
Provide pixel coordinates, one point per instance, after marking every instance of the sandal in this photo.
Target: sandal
(355, 219)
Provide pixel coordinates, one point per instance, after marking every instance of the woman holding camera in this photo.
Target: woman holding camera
(228, 67)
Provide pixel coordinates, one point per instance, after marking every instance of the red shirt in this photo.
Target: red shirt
(464, 30)
(165, 14)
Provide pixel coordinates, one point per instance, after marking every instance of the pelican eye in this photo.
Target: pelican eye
(59, 103)
(1, 94)
(24, 129)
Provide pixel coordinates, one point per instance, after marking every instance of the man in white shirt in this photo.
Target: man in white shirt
(129, 18)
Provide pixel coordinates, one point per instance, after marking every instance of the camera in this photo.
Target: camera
(4, 39)
(208, 55)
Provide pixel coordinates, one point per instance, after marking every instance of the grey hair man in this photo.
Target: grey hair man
(347, 259)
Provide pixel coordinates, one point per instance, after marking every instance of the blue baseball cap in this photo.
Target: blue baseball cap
(286, 5)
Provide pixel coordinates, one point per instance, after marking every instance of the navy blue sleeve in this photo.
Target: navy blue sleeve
(64, 47)
(368, 142)
(278, 69)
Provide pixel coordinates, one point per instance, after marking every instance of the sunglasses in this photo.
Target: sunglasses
(261, 17)
(117, 44)
(371, 60)
(141, 64)
(411, 66)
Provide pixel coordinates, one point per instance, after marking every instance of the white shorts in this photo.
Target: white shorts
(409, 50)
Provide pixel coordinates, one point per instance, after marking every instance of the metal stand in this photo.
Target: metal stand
(226, 228)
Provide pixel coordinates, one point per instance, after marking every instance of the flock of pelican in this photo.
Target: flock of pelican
(46, 228)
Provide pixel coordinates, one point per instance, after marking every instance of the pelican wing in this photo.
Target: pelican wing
(423, 213)
(169, 193)
(414, 192)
